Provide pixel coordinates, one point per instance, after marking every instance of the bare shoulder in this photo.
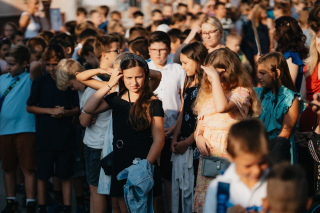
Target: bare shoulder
(154, 98)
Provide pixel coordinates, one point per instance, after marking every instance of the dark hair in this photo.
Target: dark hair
(12, 24)
(46, 35)
(140, 114)
(116, 12)
(64, 40)
(182, 5)
(178, 17)
(136, 32)
(218, 4)
(155, 11)
(81, 27)
(197, 52)
(158, 23)
(81, 10)
(71, 26)
(140, 46)
(287, 188)
(105, 9)
(132, 29)
(272, 62)
(87, 33)
(185, 34)
(137, 14)
(174, 34)
(249, 136)
(93, 11)
(120, 38)
(289, 36)
(285, 7)
(19, 53)
(314, 18)
(5, 41)
(159, 36)
(87, 47)
(103, 43)
(53, 51)
(16, 33)
(35, 42)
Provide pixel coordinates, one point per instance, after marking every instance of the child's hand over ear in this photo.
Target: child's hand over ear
(212, 72)
(115, 76)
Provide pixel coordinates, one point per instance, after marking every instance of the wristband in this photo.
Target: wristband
(109, 86)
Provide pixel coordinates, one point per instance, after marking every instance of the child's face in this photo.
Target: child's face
(8, 30)
(37, 55)
(221, 11)
(13, 67)
(265, 77)
(19, 40)
(51, 66)
(134, 78)
(138, 20)
(116, 17)
(250, 167)
(175, 45)
(81, 18)
(3, 50)
(159, 52)
(182, 10)
(96, 19)
(189, 65)
(234, 44)
(197, 9)
(157, 17)
(76, 85)
(167, 11)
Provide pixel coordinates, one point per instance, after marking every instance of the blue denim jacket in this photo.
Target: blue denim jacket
(138, 189)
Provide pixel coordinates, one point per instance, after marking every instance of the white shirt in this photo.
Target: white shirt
(33, 28)
(95, 133)
(169, 90)
(239, 193)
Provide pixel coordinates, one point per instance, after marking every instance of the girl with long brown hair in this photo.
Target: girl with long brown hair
(138, 129)
(226, 96)
(280, 108)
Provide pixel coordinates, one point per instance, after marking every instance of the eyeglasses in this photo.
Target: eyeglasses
(211, 33)
(116, 51)
(160, 51)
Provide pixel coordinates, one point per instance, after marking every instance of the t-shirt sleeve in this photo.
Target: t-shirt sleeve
(110, 99)
(210, 204)
(183, 77)
(157, 110)
(34, 97)
(241, 97)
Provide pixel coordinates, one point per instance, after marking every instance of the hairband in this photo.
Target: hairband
(130, 56)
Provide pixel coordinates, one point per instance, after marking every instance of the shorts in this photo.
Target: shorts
(92, 161)
(18, 150)
(165, 161)
(57, 163)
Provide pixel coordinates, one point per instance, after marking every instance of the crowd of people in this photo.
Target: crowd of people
(198, 107)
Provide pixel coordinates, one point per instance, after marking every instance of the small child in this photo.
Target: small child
(243, 185)
(287, 190)
(104, 10)
(138, 18)
(4, 46)
(95, 18)
(81, 15)
(8, 29)
(233, 42)
(84, 35)
(55, 110)
(174, 35)
(17, 38)
(115, 16)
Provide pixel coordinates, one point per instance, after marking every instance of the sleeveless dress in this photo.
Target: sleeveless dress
(216, 127)
(298, 61)
(33, 28)
(272, 115)
(129, 144)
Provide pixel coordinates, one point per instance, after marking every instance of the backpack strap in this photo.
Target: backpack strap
(223, 197)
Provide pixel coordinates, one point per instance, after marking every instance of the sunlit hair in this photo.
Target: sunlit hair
(19, 53)
(289, 36)
(235, 76)
(66, 71)
(103, 44)
(53, 51)
(197, 52)
(214, 22)
(257, 14)
(313, 59)
(271, 62)
(140, 114)
(248, 136)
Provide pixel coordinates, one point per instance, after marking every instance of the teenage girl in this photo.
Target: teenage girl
(280, 108)
(192, 57)
(135, 112)
(225, 96)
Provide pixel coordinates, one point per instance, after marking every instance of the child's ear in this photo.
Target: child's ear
(24, 64)
(265, 204)
(69, 50)
(278, 73)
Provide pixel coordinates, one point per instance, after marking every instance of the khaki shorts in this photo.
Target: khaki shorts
(18, 150)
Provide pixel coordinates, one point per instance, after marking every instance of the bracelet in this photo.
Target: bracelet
(83, 111)
(109, 86)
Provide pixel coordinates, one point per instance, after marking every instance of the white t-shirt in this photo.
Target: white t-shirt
(169, 90)
(94, 135)
(239, 193)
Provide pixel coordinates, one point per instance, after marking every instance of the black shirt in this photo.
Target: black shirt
(53, 133)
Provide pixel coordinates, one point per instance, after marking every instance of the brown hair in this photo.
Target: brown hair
(178, 17)
(81, 27)
(34, 43)
(140, 114)
(285, 7)
(272, 62)
(105, 9)
(159, 36)
(53, 51)
(314, 18)
(140, 46)
(19, 53)
(249, 136)
(81, 10)
(87, 47)
(46, 35)
(103, 44)
(235, 75)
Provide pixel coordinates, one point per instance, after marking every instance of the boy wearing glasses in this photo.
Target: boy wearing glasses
(169, 92)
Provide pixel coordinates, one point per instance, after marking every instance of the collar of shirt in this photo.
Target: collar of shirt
(153, 66)
(20, 76)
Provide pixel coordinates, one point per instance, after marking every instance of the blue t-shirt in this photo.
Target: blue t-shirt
(14, 117)
(103, 26)
(298, 61)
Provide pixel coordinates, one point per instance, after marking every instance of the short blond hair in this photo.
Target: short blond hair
(215, 22)
(66, 71)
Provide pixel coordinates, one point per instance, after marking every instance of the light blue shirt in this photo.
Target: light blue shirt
(14, 117)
